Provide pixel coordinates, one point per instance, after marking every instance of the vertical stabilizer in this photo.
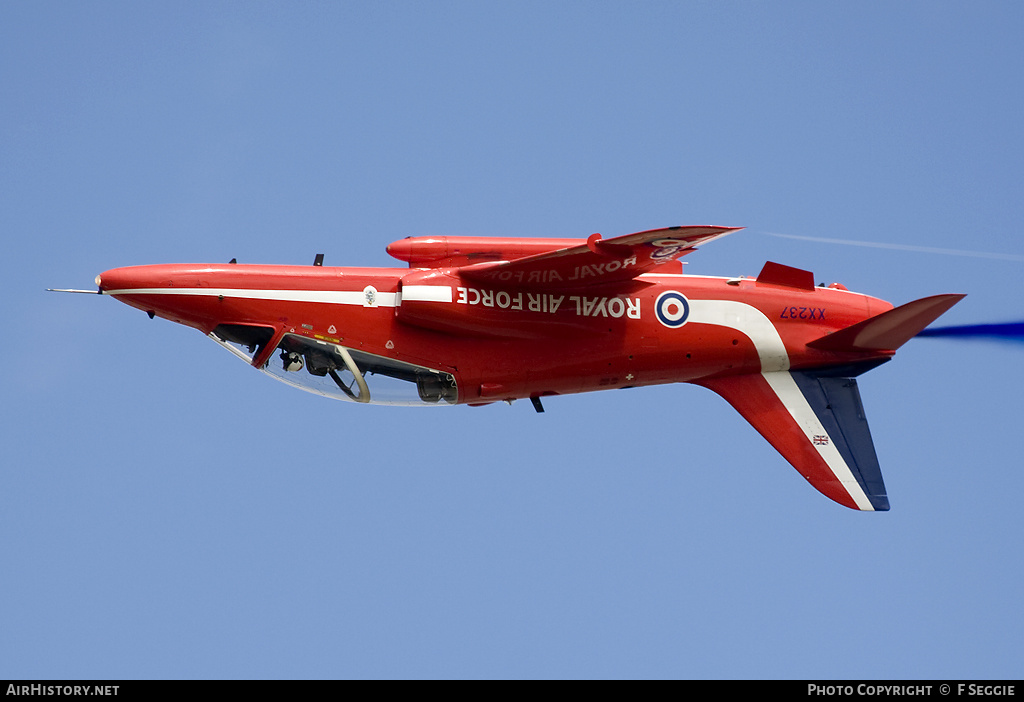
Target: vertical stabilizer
(816, 421)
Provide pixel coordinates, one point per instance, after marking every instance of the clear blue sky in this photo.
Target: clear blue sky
(166, 512)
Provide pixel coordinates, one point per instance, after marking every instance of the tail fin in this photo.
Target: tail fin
(889, 330)
(816, 421)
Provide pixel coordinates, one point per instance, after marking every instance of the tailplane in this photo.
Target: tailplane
(889, 330)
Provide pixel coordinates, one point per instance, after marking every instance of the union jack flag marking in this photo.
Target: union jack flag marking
(820, 440)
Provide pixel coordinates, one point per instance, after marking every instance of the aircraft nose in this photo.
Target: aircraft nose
(105, 281)
(134, 278)
(161, 290)
(117, 279)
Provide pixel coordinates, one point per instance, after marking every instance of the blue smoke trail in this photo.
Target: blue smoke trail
(1008, 331)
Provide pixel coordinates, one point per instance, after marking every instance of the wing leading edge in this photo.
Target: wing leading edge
(599, 260)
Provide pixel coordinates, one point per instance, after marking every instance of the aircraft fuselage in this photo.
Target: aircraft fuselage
(503, 343)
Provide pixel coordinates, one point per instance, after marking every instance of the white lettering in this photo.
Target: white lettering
(616, 307)
(633, 308)
(548, 303)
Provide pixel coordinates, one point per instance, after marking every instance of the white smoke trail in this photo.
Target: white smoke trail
(903, 247)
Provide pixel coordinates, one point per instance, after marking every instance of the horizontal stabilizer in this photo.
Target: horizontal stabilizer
(816, 421)
(889, 330)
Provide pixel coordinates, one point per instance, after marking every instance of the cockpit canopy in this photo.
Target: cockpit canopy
(341, 372)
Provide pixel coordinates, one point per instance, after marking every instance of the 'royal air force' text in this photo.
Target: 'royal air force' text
(549, 303)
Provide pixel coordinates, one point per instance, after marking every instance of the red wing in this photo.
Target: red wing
(599, 260)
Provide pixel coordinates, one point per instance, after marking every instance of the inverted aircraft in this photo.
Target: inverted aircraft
(477, 320)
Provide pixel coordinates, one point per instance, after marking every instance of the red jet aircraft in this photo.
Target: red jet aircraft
(476, 320)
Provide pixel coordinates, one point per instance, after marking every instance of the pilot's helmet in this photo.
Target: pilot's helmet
(292, 361)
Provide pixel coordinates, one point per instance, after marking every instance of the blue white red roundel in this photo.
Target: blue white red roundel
(672, 309)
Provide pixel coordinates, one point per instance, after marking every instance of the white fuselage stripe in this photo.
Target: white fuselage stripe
(749, 321)
(427, 293)
(334, 297)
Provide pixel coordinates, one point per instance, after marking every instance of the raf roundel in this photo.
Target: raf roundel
(672, 309)
(667, 249)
